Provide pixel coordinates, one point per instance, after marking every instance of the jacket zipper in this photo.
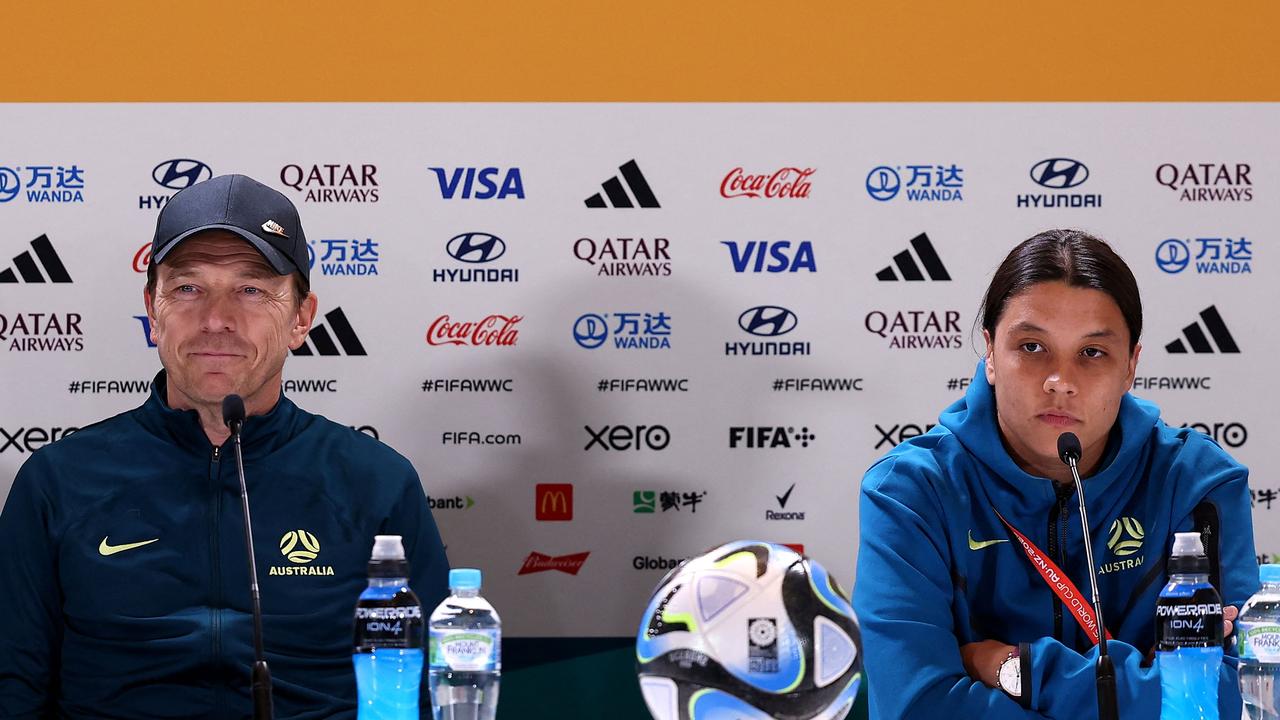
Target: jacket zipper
(1057, 518)
(215, 606)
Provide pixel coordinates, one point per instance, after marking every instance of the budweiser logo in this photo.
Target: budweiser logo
(537, 562)
(142, 258)
(493, 330)
(789, 182)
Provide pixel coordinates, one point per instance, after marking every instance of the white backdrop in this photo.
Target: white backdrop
(113, 157)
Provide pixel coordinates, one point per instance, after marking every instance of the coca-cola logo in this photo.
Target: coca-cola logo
(142, 258)
(493, 330)
(787, 182)
(568, 564)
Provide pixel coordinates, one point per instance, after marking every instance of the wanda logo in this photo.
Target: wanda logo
(788, 182)
(493, 330)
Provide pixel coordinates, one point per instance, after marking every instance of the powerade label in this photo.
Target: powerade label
(382, 625)
(1188, 616)
(473, 650)
(1259, 641)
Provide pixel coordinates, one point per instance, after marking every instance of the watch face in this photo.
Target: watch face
(1011, 677)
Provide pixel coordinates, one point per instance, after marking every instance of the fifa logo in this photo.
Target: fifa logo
(1125, 536)
(289, 546)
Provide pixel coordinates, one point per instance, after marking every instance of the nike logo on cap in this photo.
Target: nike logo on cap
(104, 549)
(274, 228)
(980, 544)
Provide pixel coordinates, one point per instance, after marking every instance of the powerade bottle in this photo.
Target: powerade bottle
(1189, 635)
(388, 638)
(1258, 643)
(466, 652)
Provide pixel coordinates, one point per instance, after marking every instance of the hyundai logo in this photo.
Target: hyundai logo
(883, 183)
(476, 247)
(768, 321)
(1059, 173)
(180, 174)
(590, 331)
(1173, 256)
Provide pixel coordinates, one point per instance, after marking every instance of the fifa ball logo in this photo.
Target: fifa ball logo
(289, 546)
(1125, 536)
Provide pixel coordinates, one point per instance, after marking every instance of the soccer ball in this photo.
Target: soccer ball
(749, 631)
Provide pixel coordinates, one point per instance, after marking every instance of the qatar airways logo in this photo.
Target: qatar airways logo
(787, 182)
(492, 330)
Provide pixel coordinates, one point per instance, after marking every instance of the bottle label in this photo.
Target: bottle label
(388, 626)
(1258, 641)
(1188, 619)
(474, 650)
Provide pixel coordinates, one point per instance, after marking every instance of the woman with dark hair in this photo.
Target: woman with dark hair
(958, 620)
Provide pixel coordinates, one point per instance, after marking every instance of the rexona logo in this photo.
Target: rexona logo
(1059, 175)
(345, 256)
(781, 256)
(768, 321)
(457, 502)
(553, 502)
(493, 330)
(1213, 256)
(300, 548)
(906, 263)
(321, 342)
(782, 513)
(44, 184)
(1232, 434)
(28, 268)
(475, 249)
(175, 175)
(787, 182)
(626, 257)
(615, 189)
(768, 437)
(333, 183)
(1195, 337)
(1207, 182)
(568, 564)
(29, 439)
(628, 437)
(41, 332)
(917, 329)
(897, 434)
(632, 330)
(925, 183)
(486, 183)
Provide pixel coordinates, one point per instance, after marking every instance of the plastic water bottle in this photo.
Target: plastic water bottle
(1189, 635)
(1258, 643)
(388, 638)
(466, 652)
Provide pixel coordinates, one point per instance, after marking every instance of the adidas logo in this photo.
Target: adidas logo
(323, 341)
(29, 269)
(1194, 335)
(907, 264)
(617, 192)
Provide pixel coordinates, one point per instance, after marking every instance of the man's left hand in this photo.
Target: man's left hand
(982, 660)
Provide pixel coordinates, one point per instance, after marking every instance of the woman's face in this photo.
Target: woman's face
(1059, 362)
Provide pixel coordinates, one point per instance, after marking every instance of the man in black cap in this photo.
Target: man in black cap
(123, 586)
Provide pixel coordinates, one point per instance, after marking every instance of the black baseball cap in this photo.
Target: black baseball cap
(239, 204)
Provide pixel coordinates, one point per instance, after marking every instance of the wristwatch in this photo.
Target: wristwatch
(1009, 678)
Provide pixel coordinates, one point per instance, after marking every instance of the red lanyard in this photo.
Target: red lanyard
(1058, 582)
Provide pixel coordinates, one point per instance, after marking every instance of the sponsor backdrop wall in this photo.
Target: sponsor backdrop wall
(612, 336)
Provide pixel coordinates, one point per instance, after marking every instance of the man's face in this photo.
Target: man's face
(224, 321)
(1059, 362)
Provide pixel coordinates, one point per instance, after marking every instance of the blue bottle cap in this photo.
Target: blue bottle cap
(464, 579)
(1269, 573)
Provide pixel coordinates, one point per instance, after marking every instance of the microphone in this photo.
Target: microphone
(1069, 451)
(233, 417)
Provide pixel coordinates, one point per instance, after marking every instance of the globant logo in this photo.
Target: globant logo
(486, 183)
(768, 321)
(345, 256)
(493, 330)
(568, 564)
(42, 332)
(175, 175)
(925, 183)
(768, 437)
(1059, 174)
(1213, 256)
(476, 248)
(626, 257)
(633, 330)
(45, 183)
(333, 183)
(457, 502)
(751, 256)
(917, 329)
(645, 562)
(787, 182)
(1207, 182)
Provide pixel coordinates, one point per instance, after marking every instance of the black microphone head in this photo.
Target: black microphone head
(233, 411)
(1068, 447)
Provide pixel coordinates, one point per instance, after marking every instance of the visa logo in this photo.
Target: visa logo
(774, 257)
(479, 183)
